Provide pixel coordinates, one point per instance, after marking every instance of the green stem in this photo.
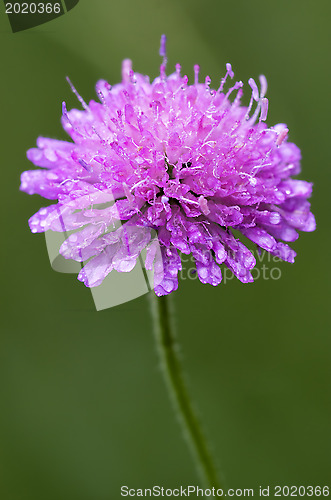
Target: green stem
(172, 370)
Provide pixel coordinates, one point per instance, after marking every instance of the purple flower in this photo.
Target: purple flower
(170, 167)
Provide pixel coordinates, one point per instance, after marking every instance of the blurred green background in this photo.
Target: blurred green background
(84, 409)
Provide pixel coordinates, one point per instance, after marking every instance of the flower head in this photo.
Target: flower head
(170, 167)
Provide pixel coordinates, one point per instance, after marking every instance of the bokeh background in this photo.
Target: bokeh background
(84, 409)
